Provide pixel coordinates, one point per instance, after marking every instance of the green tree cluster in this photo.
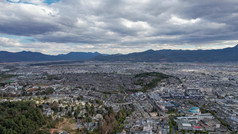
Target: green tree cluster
(21, 118)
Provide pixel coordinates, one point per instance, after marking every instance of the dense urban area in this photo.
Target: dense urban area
(118, 97)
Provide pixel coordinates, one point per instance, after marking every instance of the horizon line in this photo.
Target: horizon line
(118, 53)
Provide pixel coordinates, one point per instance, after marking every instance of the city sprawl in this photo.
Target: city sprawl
(125, 97)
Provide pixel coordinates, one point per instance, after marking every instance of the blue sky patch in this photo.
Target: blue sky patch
(51, 1)
(32, 1)
(22, 39)
(14, 1)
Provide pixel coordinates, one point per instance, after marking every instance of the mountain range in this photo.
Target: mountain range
(26, 56)
(214, 55)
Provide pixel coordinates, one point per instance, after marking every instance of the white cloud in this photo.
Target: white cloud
(7, 42)
(136, 25)
(179, 21)
(81, 23)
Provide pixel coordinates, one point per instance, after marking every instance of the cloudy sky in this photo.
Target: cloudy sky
(116, 26)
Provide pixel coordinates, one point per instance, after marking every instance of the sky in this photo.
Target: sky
(116, 26)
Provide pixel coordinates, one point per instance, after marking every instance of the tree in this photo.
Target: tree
(21, 118)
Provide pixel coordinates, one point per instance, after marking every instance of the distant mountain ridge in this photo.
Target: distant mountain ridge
(25, 56)
(216, 55)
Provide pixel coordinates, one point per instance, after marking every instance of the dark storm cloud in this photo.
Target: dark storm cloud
(26, 28)
(87, 39)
